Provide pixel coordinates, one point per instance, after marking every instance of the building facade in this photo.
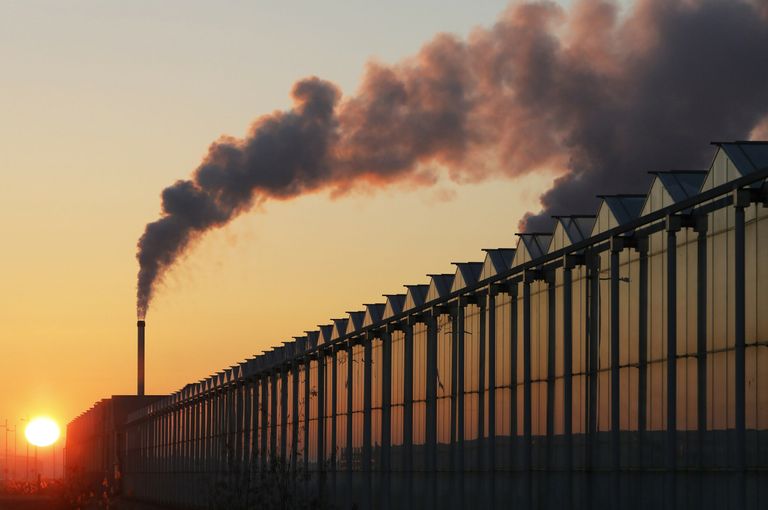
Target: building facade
(620, 360)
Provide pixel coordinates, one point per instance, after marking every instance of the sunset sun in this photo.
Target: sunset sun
(42, 432)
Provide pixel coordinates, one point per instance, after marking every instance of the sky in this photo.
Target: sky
(103, 104)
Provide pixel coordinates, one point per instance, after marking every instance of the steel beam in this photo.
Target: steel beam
(367, 400)
(321, 411)
(671, 364)
(527, 421)
(334, 406)
(481, 397)
(616, 246)
(350, 386)
(284, 414)
(592, 368)
(549, 278)
(491, 313)
(408, 397)
(742, 200)
(386, 399)
(295, 367)
(569, 263)
(430, 320)
(307, 411)
(513, 383)
(454, 384)
(461, 326)
(273, 451)
(701, 333)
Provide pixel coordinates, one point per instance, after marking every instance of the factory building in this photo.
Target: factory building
(618, 361)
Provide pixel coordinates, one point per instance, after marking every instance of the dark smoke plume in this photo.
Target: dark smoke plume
(601, 96)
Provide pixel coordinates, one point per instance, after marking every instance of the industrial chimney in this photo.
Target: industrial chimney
(140, 391)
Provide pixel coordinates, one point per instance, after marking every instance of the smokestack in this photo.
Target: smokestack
(140, 391)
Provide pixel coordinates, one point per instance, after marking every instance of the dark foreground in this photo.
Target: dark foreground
(36, 502)
(30, 502)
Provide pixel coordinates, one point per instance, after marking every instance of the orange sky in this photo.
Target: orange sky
(99, 119)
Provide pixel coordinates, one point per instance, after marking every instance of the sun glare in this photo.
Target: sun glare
(42, 432)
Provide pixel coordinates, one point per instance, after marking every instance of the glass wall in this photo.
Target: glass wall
(704, 386)
(342, 410)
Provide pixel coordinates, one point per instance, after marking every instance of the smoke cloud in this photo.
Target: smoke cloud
(600, 95)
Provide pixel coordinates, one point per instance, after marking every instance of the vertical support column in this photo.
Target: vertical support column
(492, 293)
(350, 387)
(200, 455)
(454, 313)
(186, 445)
(210, 416)
(385, 335)
(334, 403)
(205, 433)
(527, 422)
(642, 341)
(321, 467)
(284, 414)
(321, 411)
(742, 199)
(671, 454)
(188, 455)
(408, 396)
(569, 262)
(184, 466)
(592, 368)
(264, 420)
(617, 244)
(219, 432)
(222, 431)
(247, 419)
(211, 463)
(367, 466)
(483, 305)
(170, 461)
(216, 429)
(192, 432)
(295, 367)
(274, 452)
(593, 329)
(701, 331)
(258, 446)
(191, 435)
(430, 320)
(208, 410)
(549, 278)
(367, 363)
(307, 408)
(460, 320)
(238, 428)
(431, 391)
(513, 346)
(386, 399)
(232, 428)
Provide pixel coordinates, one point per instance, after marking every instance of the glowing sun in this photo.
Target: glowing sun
(42, 432)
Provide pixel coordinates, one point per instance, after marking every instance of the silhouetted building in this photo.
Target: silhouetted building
(537, 378)
(95, 442)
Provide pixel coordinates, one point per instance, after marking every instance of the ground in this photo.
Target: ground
(32, 502)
